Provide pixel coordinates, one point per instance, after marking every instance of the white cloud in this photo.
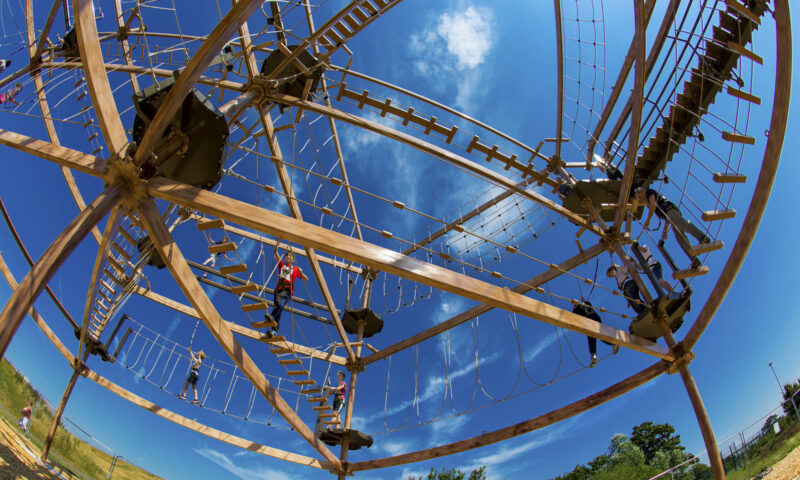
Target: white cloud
(238, 470)
(467, 34)
(540, 347)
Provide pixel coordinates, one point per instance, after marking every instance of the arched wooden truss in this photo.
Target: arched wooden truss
(131, 197)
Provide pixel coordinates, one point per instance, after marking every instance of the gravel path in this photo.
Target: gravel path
(18, 456)
(786, 469)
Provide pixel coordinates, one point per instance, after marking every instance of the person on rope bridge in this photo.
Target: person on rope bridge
(10, 96)
(26, 417)
(287, 274)
(625, 283)
(668, 211)
(211, 261)
(585, 309)
(3, 64)
(340, 394)
(194, 375)
(655, 267)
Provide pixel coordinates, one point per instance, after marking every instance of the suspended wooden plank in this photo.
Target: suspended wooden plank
(278, 338)
(743, 95)
(729, 178)
(304, 382)
(121, 251)
(233, 269)
(736, 138)
(264, 324)
(222, 247)
(712, 215)
(309, 391)
(252, 307)
(240, 289)
(322, 408)
(689, 272)
(705, 248)
(296, 373)
(316, 399)
(290, 361)
(745, 52)
(734, 6)
(204, 225)
(280, 350)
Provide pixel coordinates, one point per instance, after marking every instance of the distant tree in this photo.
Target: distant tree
(600, 462)
(453, 474)
(789, 391)
(702, 471)
(768, 424)
(651, 438)
(624, 452)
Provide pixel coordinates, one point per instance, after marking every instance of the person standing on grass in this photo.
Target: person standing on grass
(26, 417)
(287, 274)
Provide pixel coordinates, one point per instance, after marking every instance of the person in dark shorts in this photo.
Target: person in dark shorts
(194, 375)
(339, 395)
(585, 309)
(287, 274)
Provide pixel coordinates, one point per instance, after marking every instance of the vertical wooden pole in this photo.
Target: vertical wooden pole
(47, 265)
(560, 73)
(351, 392)
(57, 417)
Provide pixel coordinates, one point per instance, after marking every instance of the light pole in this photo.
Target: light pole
(791, 397)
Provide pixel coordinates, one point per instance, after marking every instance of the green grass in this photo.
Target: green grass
(769, 451)
(69, 452)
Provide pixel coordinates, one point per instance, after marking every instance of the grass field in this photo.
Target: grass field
(68, 452)
(769, 451)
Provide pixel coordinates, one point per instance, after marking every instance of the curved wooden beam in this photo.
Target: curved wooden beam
(172, 256)
(66, 157)
(541, 421)
(769, 167)
(637, 97)
(193, 71)
(96, 79)
(21, 301)
(395, 263)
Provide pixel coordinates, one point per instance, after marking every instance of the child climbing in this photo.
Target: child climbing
(655, 267)
(340, 394)
(26, 417)
(10, 96)
(627, 285)
(194, 375)
(287, 274)
(211, 261)
(586, 309)
(3, 64)
(666, 210)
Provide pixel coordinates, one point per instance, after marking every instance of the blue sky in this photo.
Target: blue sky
(495, 61)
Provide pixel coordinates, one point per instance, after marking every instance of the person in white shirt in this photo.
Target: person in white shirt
(627, 286)
(655, 267)
(194, 375)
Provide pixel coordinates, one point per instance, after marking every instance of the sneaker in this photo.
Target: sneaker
(195, 402)
(616, 350)
(593, 362)
(269, 333)
(182, 397)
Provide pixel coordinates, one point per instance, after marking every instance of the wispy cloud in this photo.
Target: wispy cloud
(238, 470)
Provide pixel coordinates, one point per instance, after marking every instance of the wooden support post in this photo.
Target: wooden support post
(57, 417)
(714, 456)
(50, 261)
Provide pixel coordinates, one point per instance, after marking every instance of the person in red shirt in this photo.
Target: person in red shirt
(26, 417)
(287, 274)
(339, 394)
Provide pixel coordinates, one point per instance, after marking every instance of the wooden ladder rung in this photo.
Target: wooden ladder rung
(251, 307)
(304, 382)
(295, 373)
(326, 414)
(705, 248)
(316, 399)
(729, 178)
(222, 247)
(279, 338)
(745, 52)
(115, 265)
(741, 9)
(240, 289)
(290, 361)
(264, 324)
(280, 350)
(736, 138)
(309, 391)
(203, 225)
(233, 269)
(100, 292)
(110, 275)
(711, 215)
(322, 408)
(126, 235)
(121, 251)
(743, 95)
(689, 272)
(332, 422)
(108, 287)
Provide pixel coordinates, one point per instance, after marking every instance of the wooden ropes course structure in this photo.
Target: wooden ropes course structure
(219, 153)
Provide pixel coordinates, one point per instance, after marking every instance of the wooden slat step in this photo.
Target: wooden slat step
(251, 307)
(362, 17)
(689, 272)
(264, 324)
(352, 22)
(711, 215)
(203, 225)
(309, 391)
(222, 247)
(233, 269)
(316, 399)
(322, 408)
(743, 95)
(100, 292)
(729, 178)
(115, 265)
(290, 361)
(737, 7)
(107, 286)
(121, 251)
(279, 338)
(332, 422)
(240, 289)
(111, 276)
(127, 236)
(280, 350)
(705, 248)
(295, 373)
(736, 138)
(745, 52)
(326, 414)
(304, 382)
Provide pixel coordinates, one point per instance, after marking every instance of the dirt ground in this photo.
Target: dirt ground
(786, 469)
(19, 457)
